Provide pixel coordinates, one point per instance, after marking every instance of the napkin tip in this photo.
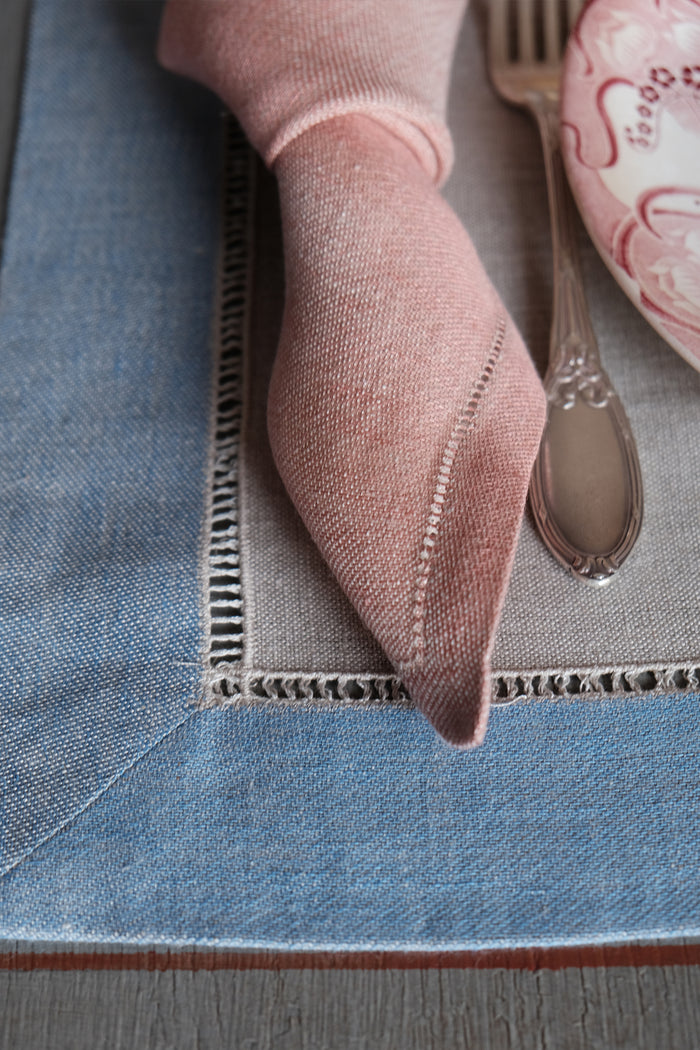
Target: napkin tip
(458, 711)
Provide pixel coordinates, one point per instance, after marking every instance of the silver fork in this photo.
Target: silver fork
(586, 488)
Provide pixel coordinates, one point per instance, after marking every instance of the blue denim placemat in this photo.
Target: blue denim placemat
(105, 311)
(127, 814)
(574, 823)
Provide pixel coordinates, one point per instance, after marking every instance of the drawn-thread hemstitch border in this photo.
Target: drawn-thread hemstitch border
(224, 590)
(232, 686)
(227, 683)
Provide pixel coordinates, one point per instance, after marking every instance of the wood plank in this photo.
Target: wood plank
(632, 1008)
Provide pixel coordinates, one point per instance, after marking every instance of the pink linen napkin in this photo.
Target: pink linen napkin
(404, 412)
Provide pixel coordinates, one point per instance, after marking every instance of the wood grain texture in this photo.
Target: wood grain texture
(591, 1008)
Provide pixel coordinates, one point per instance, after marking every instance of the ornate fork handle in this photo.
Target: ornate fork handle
(586, 491)
(574, 362)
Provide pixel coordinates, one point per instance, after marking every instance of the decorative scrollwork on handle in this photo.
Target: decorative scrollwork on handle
(577, 371)
(576, 381)
(595, 569)
(574, 363)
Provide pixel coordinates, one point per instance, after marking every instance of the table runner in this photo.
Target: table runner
(132, 810)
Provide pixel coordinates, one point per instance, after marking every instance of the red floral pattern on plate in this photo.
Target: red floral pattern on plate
(630, 115)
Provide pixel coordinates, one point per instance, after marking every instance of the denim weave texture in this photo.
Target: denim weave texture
(128, 814)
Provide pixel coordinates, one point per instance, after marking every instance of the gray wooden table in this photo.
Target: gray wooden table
(95, 997)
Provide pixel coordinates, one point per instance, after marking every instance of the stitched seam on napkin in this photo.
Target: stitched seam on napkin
(224, 612)
(466, 422)
(74, 816)
(233, 686)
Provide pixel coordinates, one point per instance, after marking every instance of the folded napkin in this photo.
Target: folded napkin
(404, 412)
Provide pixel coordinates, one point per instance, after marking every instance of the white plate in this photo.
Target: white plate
(630, 112)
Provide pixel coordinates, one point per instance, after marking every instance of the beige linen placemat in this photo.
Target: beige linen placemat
(281, 630)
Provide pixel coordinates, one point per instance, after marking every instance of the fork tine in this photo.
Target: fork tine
(498, 31)
(526, 30)
(552, 30)
(526, 40)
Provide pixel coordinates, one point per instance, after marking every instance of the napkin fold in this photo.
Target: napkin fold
(404, 412)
